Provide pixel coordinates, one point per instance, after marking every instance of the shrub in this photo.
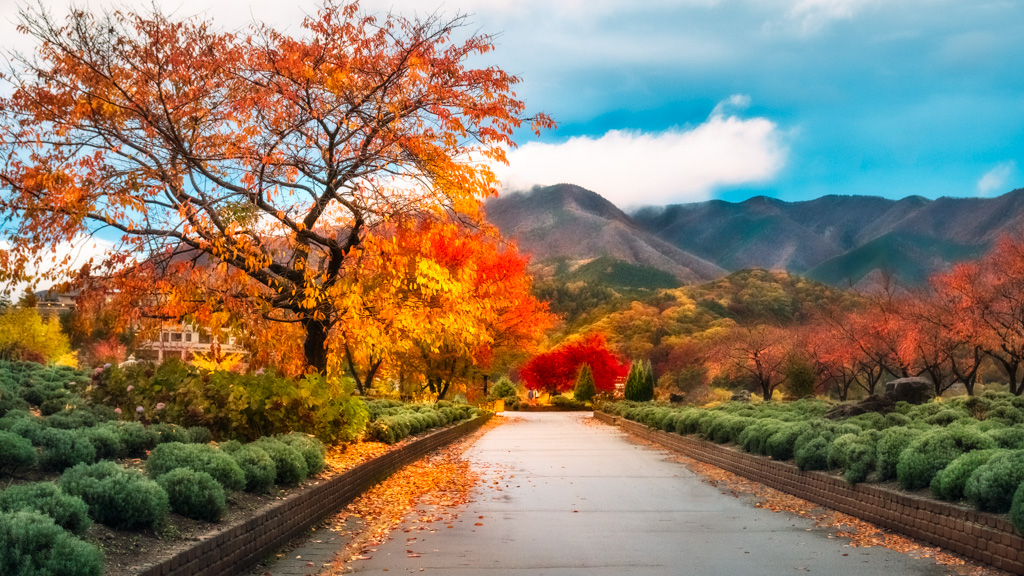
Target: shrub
(780, 445)
(291, 466)
(994, 483)
(15, 452)
(1011, 438)
(136, 438)
(891, 443)
(640, 382)
(584, 390)
(167, 433)
(813, 454)
(311, 449)
(107, 442)
(259, 468)
(504, 388)
(934, 450)
(72, 419)
(69, 512)
(31, 544)
(1017, 509)
(64, 449)
(199, 435)
(198, 457)
(194, 494)
(949, 483)
(29, 427)
(117, 496)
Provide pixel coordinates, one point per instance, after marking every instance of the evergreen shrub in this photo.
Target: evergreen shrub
(194, 494)
(949, 483)
(69, 512)
(313, 450)
(198, 457)
(259, 468)
(117, 496)
(934, 450)
(31, 544)
(63, 449)
(993, 484)
(15, 452)
(291, 466)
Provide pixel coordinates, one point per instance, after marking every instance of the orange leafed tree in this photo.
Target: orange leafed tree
(438, 299)
(265, 156)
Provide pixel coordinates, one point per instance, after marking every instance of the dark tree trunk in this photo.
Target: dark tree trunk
(485, 377)
(315, 345)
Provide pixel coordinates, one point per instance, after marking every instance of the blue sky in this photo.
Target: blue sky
(675, 101)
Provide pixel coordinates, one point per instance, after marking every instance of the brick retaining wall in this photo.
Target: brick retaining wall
(977, 535)
(233, 549)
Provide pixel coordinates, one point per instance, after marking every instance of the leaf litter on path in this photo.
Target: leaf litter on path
(432, 487)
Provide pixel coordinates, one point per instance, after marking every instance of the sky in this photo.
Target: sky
(671, 101)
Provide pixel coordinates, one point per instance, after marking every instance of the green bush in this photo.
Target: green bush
(311, 449)
(117, 496)
(259, 468)
(29, 427)
(1017, 509)
(194, 494)
(890, 445)
(136, 438)
(934, 450)
(584, 390)
(198, 457)
(107, 441)
(168, 433)
(69, 512)
(1011, 438)
(504, 389)
(31, 544)
(993, 484)
(63, 449)
(291, 466)
(780, 445)
(199, 435)
(640, 382)
(15, 452)
(949, 483)
(813, 454)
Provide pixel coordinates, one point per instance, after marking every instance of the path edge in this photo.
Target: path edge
(233, 549)
(984, 537)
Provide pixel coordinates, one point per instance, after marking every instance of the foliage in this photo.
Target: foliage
(993, 484)
(640, 382)
(231, 405)
(504, 389)
(68, 512)
(290, 465)
(32, 545)
(584, 390)
(24, 335)
(197, 457)
(393, 421)
(800, 379)
(891, 444)
(65, 448)
(259, 468)
(556, 371)
(117, 496)
(311, 449)
(566, 403)
(350, 123)
(194, 494)
(949, 483)
(1017, 508)
(934, 450)
(15, 452)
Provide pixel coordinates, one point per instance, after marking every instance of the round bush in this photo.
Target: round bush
(291, 466)
(1011, 438)
(107, 442)
(993, 484)
(200, 435)
(64, 449)
(949, 482)
(194, 494)
(30, 428)
(1017, 509)
(166, 433)
(15, 451)
(813, 454)
(117, 496)
(198, 457)
(69, 512)
(934, 450)
(313, 450)
(136, 438)
(891, 443)
(32, 545)
(259, 468)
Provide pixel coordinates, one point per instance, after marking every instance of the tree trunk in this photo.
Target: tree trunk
(315, 345)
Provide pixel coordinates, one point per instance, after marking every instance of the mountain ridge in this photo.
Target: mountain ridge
(838, 239)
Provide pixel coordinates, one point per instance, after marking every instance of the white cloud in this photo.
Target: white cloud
(632, 168)
(997, 180)
(812, 16)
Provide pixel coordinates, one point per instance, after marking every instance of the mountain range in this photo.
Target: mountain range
(840, 240)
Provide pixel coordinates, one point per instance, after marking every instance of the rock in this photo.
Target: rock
(912, 390)
(873, 403)
(741, 396)
(675, 398)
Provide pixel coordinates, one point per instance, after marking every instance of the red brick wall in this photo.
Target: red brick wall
(233, 549)
(984, 537)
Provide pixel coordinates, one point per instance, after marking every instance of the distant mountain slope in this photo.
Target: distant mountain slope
(568, 223)
(838, 239)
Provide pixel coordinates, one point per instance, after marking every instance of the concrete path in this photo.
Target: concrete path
(565, 495)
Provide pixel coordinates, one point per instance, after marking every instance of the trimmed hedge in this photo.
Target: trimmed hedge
(67, 511)
(117, 496)
(199, 457)
(194, 494)
(31, 544)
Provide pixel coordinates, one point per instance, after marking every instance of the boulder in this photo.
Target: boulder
(912, 390)
(741, 396)
(873, 403)
(676, 398)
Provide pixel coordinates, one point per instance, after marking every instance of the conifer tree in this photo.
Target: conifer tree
(585, 389)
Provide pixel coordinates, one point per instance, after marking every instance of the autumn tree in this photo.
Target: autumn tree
(759, 351)
(265, 156)
(556, 371)
(440, 299)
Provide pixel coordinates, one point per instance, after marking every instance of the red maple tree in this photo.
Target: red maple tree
(555, 371)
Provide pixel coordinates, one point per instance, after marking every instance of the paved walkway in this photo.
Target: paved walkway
(564, 496)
